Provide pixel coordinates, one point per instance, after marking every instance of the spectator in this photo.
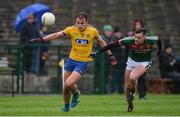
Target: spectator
(28, 31)
(142, 87)
(117, 72)
(102, 62)
(178, 63)
(167, 65)
(43, 51)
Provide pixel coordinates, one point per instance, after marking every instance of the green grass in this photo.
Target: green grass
(100, 105)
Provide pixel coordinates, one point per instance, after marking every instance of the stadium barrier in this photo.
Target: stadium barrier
(47, 81)
(96, 80)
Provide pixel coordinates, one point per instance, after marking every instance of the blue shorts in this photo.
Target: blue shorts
(72, 65)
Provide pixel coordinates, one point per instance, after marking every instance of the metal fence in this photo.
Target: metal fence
(46, 78)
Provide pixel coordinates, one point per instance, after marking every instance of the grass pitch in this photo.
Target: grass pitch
(90, 105)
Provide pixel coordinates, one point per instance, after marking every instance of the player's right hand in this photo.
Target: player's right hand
(45, 56)
(113, 60)
(94, 54)
(37, 40)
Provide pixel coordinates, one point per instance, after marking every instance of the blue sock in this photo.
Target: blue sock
(66, 106)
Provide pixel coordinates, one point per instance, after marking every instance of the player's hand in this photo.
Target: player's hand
(130, 33)
(45, 56)
(113, 60)
(94, 54)
(37, 40)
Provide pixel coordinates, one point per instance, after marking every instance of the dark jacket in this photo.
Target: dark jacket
(28, 32)
(164, 64)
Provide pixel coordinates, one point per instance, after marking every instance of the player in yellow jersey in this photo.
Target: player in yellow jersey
(82, 35)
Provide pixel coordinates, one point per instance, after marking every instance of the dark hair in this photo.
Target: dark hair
(82, 15)
(138, 21)
(116, 29)
(32, 14)
(167, 46)
(140, 31)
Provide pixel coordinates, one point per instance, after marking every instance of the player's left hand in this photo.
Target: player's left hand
(94, 54)
(37, 40)
(45, 56)
(113, 60)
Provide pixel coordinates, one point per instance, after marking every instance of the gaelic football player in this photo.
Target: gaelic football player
(82, 36)
(139, 60)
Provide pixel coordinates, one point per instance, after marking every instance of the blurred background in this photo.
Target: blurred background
(160, 17)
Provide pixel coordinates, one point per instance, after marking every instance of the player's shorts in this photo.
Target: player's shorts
(131, 64)
(73, 65)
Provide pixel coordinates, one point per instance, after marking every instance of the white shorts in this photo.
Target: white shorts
(131, 64)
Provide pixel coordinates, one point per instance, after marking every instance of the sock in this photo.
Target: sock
(76, 92)
(66, 106)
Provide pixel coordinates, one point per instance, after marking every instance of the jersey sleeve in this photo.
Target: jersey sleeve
(67, 31)
(127, 41)
(96, 33)
(152, 39)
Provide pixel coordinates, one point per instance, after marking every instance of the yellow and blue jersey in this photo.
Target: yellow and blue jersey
(82, 42)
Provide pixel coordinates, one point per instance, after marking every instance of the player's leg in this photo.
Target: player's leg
(66, 93)
(72, 86)
(69, 67)
(71, 81)
(134, 75)
(137, 72)
(79, 70)
(128, 90)
(76, 94)
(127, 82)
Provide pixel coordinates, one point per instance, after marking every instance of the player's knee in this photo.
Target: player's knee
(132, 77)
(128, 86)
(67, 84)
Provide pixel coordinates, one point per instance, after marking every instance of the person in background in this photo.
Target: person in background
(142, 87)
(44, 54)
(118, 70)
(108, 37)
(167, 65)
(28, 31)
(102, 62)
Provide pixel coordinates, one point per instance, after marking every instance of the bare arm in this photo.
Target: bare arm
(102, 43)
(109, 46)
(53, 36)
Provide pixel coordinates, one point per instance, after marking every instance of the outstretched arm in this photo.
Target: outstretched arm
(103, 44)
(49, 37)
(53, 36)
(156, 39)
(105, 47)
(110, 46)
